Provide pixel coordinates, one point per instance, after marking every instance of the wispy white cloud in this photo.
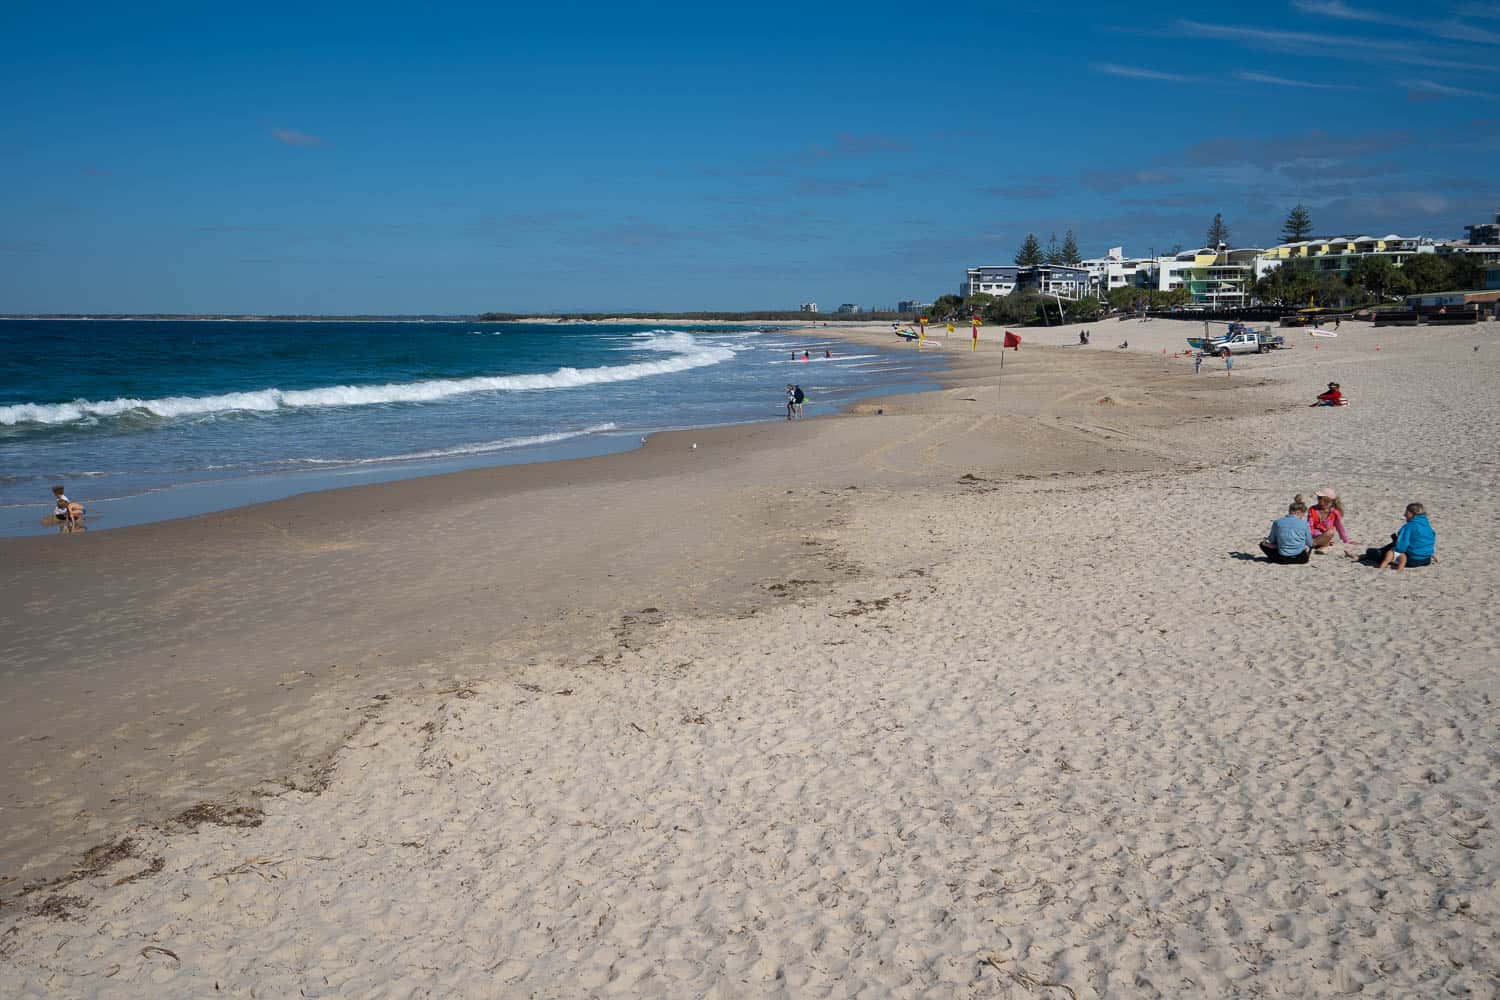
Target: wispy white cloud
(1450, 28)
(1281, 81)
(1138, 73)
(1433, 89)
(291, 137)
(1322, 46)
(1335, 8)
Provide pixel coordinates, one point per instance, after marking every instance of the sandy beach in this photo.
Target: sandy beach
(979, 692)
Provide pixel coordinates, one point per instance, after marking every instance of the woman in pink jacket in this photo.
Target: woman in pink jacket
(1325, 519)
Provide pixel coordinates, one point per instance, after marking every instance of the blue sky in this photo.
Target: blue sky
(388, 159)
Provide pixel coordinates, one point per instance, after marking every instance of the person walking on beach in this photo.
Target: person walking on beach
(1197, 362)
(1228, 365)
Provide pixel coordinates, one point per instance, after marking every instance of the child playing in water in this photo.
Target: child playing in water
(69, 515)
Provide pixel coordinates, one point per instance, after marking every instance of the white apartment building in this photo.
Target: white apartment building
(1115, 270)
(1216, 277)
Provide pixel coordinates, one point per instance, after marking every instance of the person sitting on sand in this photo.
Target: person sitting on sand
(67, 513)
(1326, 520)
(1415, 545)
(1333, 397)
(1289, 542)
(1124, 345)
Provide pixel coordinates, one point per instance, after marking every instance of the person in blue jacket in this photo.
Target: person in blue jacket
(1289, 540)
(1413, 546)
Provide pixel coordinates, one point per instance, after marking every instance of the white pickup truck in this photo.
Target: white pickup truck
(1241, 341)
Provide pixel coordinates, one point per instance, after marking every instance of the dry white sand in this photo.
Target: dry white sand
(1048, 737)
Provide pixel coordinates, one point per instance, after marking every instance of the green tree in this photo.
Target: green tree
(1016, 309)
(1069, 254)
(1375, 275)
(1298, 225)
(1218, 232)
(1053, 255)
(1329, 289)
(1465, 272)
(1030, 252)
(946, 305)
(1291, 284)
(1128, 298)
(1427, 272)
(1085, 310)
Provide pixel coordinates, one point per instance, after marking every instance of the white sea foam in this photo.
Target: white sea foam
(482, 448)
(686, 353)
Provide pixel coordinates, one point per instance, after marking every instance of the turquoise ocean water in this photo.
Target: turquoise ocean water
(143, 420)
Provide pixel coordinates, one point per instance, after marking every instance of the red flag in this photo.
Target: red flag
(1012, 340)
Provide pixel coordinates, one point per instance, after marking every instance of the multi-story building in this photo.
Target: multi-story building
(912, 306)
(848, 308)
(1219, 278)
(1115, 270)
(808, 307)
(1485, 234)
(1060, 280)
(997, 279)
(1339, 254)
(1484, 245)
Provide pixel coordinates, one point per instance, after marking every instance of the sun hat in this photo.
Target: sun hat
(1327, 493)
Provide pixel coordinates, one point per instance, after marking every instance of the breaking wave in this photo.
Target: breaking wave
(686, 354)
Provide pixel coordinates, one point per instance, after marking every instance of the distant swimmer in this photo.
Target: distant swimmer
(827, 353)
(806, 356)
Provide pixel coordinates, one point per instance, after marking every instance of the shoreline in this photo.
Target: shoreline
(934, 659)
(192, 580)
(191, 497)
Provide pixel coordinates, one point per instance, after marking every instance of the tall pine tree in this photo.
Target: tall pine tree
(1030, 252)
(1054, 255)
(1298, 226)
(1218, 232)
(1069, 253)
